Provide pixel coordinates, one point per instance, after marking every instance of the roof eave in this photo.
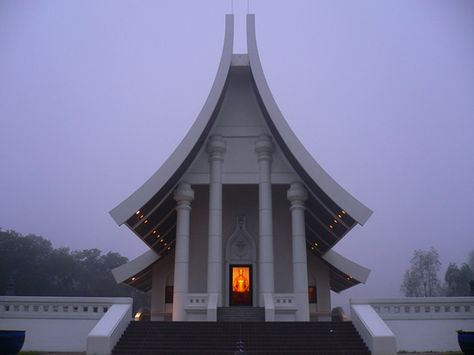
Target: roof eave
(128, 270)
(348, 267)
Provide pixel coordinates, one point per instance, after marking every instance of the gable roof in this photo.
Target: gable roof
(331, 211)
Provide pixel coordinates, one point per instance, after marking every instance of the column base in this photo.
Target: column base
(179, 302)
(302, 310)
(269, 307)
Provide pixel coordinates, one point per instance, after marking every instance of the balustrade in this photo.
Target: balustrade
(56, 307)
(422, 307)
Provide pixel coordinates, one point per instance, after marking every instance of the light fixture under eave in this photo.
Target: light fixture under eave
(146, 221)
(133, 278)
(138, 212)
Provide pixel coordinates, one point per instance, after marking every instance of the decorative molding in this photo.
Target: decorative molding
(241, 245)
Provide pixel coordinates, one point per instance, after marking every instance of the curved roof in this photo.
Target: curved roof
(312, 173)
(331, 211)
(324, 188)
(164, 179)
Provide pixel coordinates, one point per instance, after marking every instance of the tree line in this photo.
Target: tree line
(30, 266)
(422, 278)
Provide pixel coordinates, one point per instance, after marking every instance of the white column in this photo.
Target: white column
(216, 148)
(183, 196)
(264, 149)
(297, 195)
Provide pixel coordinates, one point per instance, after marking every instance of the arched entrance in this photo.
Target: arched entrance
(240, 266)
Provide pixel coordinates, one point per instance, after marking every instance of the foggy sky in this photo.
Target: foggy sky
(95, 95)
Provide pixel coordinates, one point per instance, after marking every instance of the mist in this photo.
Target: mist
(94, 97)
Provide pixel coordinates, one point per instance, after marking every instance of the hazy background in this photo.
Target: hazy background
(95, 95)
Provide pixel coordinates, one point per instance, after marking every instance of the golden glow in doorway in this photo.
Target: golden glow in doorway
(241, 285)
(241, 279)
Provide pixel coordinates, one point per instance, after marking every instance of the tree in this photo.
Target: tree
(471, 260)
(457, 280)
(30, 266)
(421, 279)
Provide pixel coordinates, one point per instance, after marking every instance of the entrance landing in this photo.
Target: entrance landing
(240, 314)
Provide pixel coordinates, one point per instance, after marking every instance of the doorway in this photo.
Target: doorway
(240, 285)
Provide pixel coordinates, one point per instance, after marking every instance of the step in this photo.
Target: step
(258, 338)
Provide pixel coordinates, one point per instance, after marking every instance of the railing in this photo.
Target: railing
(56, 307)
(422, 307)
(375, 332)
(108, 330)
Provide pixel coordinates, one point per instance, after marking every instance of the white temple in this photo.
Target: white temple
(240, 214)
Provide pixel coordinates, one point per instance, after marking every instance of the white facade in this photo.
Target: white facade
(241, 214)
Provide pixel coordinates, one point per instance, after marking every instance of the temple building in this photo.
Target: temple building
(240, 216)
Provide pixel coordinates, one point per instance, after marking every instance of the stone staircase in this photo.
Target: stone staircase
(241, 314)
(323, 338)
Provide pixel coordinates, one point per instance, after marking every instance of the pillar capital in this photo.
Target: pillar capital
(297, 193)
(264, 147)
(216, 147)
(184, 194)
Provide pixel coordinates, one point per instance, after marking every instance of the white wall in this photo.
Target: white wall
(424, 323)
(52, 334)
(55, 323)
(428, 335)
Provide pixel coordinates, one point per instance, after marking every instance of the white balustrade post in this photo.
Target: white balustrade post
(216, 148)
(264, 148)
(183, 195)
(297, 195)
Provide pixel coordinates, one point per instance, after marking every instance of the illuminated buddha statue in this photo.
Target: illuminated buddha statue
(241, 283)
